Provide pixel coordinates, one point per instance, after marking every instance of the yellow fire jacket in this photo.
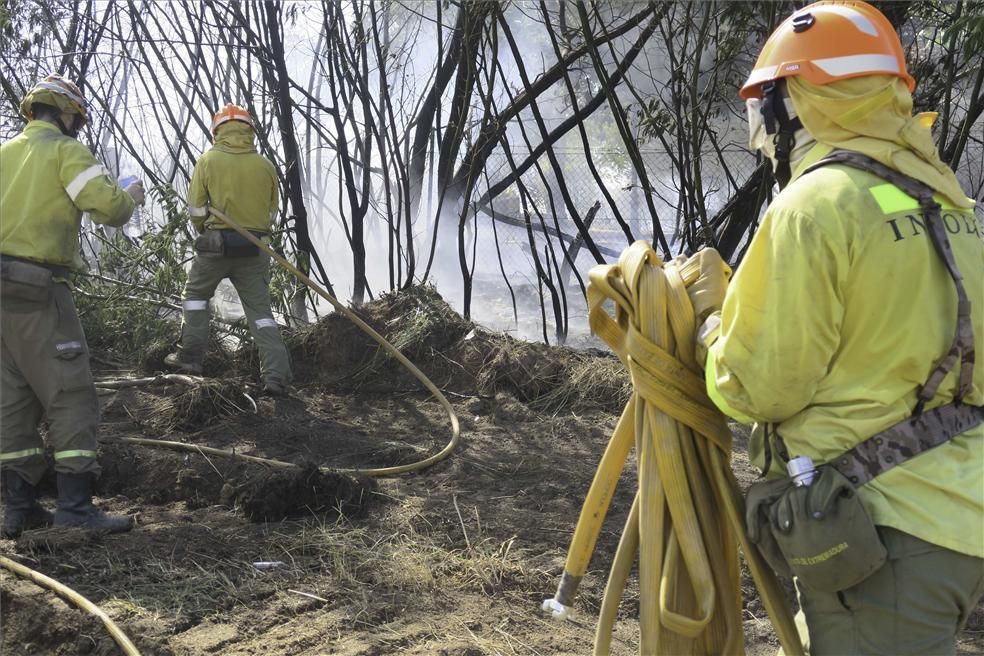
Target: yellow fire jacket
(233, 178)
(46, 181)
(832, 323)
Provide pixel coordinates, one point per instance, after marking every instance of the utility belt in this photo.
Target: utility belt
(813, 525)
(27, 284)
(227, 243)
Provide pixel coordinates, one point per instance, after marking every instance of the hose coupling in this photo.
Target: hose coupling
(557, 610)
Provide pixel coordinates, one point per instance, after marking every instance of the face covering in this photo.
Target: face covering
(760, 139)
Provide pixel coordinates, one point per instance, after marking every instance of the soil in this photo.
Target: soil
(452, 561)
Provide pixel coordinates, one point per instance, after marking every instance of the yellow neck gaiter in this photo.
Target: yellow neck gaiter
(872, 115)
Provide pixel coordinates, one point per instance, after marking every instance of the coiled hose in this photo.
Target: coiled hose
(687, 519)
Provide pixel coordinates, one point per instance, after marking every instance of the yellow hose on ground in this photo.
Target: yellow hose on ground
(389, 348)
(75, 598)
(687, 520)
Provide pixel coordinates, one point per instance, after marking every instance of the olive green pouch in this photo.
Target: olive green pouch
(235, 245)
(825, 533)
(210, 243)
(759, 500)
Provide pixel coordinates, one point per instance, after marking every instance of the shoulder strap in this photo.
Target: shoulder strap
(962, 347)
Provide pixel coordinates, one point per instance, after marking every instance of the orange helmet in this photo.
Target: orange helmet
(231, 113)
(58, 92)
(829, 41)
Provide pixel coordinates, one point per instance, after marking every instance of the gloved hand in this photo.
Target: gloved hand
(136, 191)
(707, 292)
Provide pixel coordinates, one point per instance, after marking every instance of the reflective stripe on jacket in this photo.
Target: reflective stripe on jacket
(832, 323)
(235, 179)
(46, 181)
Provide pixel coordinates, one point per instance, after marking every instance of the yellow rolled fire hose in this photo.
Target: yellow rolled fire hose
(389, 348)
(687, 520)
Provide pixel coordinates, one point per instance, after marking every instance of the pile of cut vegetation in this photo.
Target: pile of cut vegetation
(455, 354)
(192, 408)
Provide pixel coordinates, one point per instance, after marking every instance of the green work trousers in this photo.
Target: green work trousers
(45, 371)
(915, 604)
(251, 278)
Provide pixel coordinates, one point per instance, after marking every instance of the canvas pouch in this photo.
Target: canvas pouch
(821, 533)
(235, 245)
(209, 243)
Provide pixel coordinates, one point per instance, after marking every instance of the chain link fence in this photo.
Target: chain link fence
(504, 251)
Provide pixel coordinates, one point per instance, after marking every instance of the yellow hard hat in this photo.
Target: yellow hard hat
(58, 92)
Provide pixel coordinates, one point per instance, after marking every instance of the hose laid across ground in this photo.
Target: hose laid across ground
(366, 328)
(73, 597)
(121, 639)
(687, 519)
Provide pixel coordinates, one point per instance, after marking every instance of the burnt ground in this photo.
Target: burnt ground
(453, 560)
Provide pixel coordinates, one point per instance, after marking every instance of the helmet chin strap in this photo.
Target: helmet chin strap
(72, 130)
(778, 123)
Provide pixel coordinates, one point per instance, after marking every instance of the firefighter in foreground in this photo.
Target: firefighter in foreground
(848, 335)
(239, 182)
(47, 179)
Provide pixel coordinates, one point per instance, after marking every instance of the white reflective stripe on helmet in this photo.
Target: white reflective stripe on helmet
(850, 13)
(760, 75)
(76, 186)
(858, 64)
(248, 120)
(195, 305)
(62, 89)
(198, 212)
(265, 323)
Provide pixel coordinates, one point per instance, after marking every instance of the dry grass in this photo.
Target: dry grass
(195, 407)
(591, 383)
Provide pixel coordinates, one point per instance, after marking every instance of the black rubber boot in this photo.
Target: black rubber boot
(75, 509)
(22, 512)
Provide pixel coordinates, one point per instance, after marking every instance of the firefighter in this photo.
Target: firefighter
(239, 182)
(47, 180)
(837, 335)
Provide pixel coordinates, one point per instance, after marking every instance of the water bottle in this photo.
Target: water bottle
(135, 227)
(801, 470)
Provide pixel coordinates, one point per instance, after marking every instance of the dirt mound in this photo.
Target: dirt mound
(305, 491)
(263, 495)
(456, 355)
(417, 321)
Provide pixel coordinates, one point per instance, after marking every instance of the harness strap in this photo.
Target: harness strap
(779, 124)
(923, 430)
(962, 347)
(906, 440)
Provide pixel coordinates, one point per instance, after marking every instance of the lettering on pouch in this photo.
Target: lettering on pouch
(914, 225)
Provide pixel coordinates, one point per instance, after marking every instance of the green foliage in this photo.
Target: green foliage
(130, 301)
(655, 120)
(117, 324)
(25, 25)
(968, 31)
